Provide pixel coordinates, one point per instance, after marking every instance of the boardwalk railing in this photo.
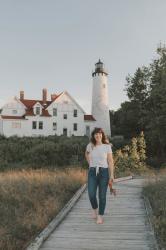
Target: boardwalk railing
(35, 245)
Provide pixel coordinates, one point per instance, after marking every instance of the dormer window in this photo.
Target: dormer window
(37, 110)
(54, 111)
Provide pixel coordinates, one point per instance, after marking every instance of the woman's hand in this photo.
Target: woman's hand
(112, 190)
(111, 180)
(110, 183)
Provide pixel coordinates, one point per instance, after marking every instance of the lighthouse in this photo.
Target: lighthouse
(100, 103)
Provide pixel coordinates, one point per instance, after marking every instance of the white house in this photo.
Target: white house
(61, 115)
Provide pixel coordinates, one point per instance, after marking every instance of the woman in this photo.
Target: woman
(99, 156)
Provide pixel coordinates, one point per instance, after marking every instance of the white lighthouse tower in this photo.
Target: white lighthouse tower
(100, 104)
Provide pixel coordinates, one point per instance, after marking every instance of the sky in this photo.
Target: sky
(55, 44)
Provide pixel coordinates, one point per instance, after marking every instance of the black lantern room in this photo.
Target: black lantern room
(99, 68)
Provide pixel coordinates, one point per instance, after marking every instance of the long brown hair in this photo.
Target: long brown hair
(104, 138)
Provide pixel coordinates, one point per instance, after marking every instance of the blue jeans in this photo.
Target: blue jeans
(101, 181)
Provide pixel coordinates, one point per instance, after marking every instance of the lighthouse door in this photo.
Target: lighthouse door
(88, 131)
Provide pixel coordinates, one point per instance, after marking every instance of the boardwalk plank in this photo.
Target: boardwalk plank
(126, 226)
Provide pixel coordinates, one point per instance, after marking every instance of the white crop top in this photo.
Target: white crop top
(98, 154)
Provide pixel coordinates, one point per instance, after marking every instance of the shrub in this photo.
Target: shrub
(42, 151)
(131, 158)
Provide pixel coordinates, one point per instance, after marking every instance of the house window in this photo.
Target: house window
(65, 102)
(75, 113)
(54, 126)
(54, 111)
(75, 126)
(40, 125)
(34, 125)
(37, 110)
(16, 124)
(64, 116)
(14, 111)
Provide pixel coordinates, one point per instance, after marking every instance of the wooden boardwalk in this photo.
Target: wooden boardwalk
(126, 225)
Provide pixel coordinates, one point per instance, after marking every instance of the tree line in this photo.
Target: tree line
(145, 109)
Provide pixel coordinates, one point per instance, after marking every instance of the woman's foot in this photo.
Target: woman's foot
(99, 219)
(94, 213)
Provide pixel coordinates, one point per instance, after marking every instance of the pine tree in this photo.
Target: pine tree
(134, 151)
(141, 147)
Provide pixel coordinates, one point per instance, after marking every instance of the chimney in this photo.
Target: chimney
(53, 96)
(45, 96)
(21, 95)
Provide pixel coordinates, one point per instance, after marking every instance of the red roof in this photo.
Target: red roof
(45, 113)
(31, 103)
(29, 112)
(89, 118)
(12, 117)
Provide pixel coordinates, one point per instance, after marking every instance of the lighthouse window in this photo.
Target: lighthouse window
(103, 85)
(75, 113)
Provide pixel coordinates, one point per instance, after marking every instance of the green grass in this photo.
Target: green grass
(30, 199)
(156, 193)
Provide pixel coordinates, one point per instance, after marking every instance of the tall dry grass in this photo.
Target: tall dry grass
(30, 199)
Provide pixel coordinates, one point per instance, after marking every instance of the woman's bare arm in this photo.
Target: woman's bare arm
(111, 165)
